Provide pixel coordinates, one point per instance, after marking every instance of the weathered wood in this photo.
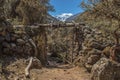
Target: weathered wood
(34, 45)
(21, 28)
(57, 25)
(27, 69)
(61, 25)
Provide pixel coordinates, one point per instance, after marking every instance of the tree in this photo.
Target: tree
(29, 12)
(109, 10)
(2, 16)
(102, 13)
(3, 21)
(32, 11)
(103, 8)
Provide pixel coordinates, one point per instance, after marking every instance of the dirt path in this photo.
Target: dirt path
(54, 71)
(63, 72)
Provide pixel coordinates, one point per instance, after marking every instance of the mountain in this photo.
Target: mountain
(51, 19)
(64, 16)
(72, 17)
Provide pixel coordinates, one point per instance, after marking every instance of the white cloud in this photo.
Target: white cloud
(64, 16)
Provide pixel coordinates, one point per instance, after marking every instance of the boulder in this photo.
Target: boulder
(6, 44)
(20, 41)
(6, 50)
(94, 52)
(105, 69)
(7, 37)
(13, 45)
(28, 44)
(1, 39)
(106, 51)
(1, 67)
(91, 58)
(91, 61)
(36, 63)
(96, 45)
(13, 37)
(28, 50)
(1, 50)
(19, 50)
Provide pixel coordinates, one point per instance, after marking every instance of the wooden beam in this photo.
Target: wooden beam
(61, 25)
(58, 25)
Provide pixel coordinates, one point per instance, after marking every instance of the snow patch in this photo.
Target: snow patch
(64, 16)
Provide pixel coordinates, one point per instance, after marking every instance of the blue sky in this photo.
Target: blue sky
(65, 6)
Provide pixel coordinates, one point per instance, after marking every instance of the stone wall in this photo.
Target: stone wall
(15, 42)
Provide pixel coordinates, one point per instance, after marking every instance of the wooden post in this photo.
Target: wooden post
(40, 40)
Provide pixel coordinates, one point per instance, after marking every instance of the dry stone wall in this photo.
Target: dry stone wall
(15, 41)
(93, 46)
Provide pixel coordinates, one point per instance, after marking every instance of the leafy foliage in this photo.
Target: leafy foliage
(28, 12)
(101, 13)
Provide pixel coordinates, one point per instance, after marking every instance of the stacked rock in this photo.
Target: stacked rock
(95, 42)
(14, 43)
(105, 69)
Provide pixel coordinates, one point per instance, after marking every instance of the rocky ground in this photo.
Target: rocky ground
(93, 58)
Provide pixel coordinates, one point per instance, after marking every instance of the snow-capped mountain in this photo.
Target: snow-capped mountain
(71, 18)
(64, 16)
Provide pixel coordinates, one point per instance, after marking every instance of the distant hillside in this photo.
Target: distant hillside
(51, 19)
(72, 17)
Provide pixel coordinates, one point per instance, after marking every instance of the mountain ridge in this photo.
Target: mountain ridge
(70, 19)
(64, 16)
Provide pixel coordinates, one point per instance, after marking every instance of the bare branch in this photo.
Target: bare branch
(27, 69)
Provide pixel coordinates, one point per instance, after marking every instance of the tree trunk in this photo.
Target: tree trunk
(40, 40)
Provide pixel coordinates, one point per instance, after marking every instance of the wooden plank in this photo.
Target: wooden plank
(57, 25)
(61, 25)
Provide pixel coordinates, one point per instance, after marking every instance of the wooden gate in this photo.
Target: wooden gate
(38, 34)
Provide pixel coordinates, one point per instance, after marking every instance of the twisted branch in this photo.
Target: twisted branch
(27, 69)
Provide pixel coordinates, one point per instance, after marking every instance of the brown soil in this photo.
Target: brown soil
(15, 69)
(61, 73)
